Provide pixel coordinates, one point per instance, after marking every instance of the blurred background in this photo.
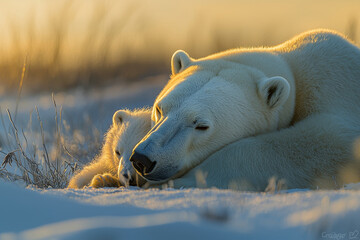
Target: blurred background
(91, 44)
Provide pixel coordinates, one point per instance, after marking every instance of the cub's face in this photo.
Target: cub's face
(205, 106)
(130, 128)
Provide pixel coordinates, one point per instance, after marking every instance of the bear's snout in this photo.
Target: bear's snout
(142, 163)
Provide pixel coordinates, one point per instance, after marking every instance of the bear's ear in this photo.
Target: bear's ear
(274, 91)
(179, 61)
(119, 117)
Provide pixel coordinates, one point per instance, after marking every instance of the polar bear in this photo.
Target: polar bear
(244, 116)
(112, 167)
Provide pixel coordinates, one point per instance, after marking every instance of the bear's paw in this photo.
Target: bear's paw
(104, 180)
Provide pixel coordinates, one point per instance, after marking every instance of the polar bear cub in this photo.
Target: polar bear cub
(112, 167)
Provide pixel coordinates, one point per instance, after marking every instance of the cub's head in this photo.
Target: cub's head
(129, 127)
(207, 104)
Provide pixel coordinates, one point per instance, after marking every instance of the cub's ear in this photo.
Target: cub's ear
(274, 91)
(119, 117)
(179, 61)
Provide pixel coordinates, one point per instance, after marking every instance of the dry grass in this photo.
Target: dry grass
(92, 43)
(60, 57)
(45, 159)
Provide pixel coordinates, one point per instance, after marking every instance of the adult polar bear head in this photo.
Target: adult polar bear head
(209, 103)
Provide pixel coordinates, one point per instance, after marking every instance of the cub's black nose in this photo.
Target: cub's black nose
(142, 163)
(126, 176)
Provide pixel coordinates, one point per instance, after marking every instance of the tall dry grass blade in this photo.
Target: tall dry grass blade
(25, 138)
(17, 137)
(48, 164)
(57, 134)
(20, 86)
(31, 163)
(15, 130)
(352, 29)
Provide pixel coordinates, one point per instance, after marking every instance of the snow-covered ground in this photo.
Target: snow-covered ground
(133, 213)
(177, 214)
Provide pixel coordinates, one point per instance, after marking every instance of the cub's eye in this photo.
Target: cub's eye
(117, 152)
(201, 127)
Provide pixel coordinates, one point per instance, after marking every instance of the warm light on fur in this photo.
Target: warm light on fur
(290, 112)
(128, 128)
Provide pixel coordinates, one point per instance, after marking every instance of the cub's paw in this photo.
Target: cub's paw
(104, 180)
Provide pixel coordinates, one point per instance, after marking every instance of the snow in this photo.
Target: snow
(96, 104)
(134, 213)
(120, 213)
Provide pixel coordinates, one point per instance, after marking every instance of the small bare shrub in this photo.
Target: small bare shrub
(44, 161)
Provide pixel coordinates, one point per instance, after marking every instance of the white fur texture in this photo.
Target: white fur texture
(290, 112)
(128, 128)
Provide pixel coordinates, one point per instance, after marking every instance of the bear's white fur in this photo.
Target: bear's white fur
(290, 112)
(112, 167)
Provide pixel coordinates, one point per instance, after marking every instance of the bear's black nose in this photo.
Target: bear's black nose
(142, 163)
